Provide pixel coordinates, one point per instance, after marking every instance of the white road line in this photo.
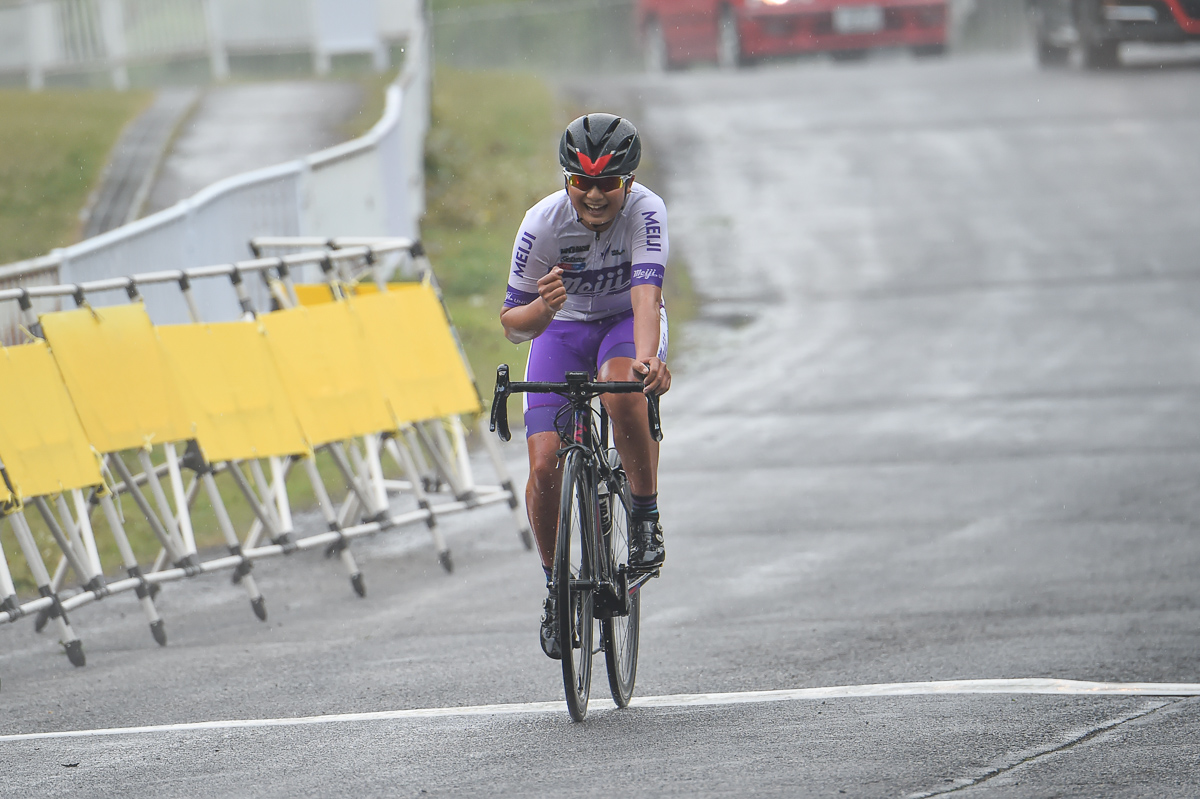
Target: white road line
(940, 688)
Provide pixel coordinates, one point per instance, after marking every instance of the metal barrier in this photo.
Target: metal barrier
(372, 186)
(252, 399)
(43, 38)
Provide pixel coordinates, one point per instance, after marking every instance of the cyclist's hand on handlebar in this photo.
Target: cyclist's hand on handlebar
(551, 289)
(654, 373)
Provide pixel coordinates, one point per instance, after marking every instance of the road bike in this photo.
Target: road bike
(591, 578)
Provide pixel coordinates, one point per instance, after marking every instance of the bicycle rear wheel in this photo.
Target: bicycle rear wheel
(573, 566)
(619, 634)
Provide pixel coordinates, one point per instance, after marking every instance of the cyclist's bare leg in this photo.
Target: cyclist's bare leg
(631, 429)
(542, 490)
(631, 434)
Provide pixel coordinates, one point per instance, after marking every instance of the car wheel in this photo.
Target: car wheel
(654, 48)
(1098, 52)
(1103, 54)
(1052, 55)
(729, 41)
(929, 50)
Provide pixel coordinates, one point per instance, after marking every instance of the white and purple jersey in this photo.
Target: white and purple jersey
(599, 269)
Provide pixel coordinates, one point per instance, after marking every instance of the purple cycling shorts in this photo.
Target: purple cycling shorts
(568, 346)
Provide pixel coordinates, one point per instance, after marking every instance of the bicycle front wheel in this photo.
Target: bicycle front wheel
(573, 575)
(619, 634)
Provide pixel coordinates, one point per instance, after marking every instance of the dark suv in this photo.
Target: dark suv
(1098, 27)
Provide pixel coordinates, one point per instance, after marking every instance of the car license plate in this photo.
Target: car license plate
(1131, 13)
(858, 19)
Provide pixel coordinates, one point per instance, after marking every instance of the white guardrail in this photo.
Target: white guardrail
(371, 186)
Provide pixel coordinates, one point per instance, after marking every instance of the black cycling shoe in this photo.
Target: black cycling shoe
(646, 549)
(549, 631)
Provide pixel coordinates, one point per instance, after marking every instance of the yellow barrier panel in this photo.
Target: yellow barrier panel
(324, 362)
(417, 360)
(117, 375)
(42, 441)
(320, 293)
(233, 392)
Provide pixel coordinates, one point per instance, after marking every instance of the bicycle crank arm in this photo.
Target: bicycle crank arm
(641, 579)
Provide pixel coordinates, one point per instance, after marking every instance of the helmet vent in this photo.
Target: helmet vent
(600, 145)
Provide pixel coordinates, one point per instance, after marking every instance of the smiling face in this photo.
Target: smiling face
(597, 208)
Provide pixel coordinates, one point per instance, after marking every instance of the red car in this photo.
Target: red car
(732, 32)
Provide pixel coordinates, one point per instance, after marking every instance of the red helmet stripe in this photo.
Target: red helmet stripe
(591, 167)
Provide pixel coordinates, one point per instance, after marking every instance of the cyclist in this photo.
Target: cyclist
(586, 287)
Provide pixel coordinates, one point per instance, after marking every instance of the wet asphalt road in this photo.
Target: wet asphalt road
(937, 423)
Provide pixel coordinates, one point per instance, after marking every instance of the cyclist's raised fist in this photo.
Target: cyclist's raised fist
(551, 289)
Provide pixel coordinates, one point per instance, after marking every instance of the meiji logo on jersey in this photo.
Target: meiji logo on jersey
(521, 256)
(653, 231)
(612, 280)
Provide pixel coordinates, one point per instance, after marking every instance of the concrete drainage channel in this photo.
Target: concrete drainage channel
(135, 161)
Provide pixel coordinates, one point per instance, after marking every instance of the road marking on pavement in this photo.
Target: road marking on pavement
(938, 688)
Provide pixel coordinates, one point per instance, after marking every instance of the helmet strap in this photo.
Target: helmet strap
(628, 189)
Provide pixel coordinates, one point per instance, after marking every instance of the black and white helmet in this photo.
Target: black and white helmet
(600, 145)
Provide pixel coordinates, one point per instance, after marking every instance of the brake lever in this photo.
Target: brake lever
(654, 417)
(652, 414)
(499, 416)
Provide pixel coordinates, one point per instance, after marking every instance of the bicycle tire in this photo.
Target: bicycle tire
(573, 564)
(620, 634)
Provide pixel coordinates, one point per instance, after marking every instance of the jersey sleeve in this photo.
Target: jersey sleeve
(530, 262)
(650, 247)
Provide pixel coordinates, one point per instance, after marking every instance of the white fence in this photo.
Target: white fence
(372, 186)
(41, 38)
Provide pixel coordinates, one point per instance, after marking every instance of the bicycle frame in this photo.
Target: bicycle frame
(613, 589)
(597, 587)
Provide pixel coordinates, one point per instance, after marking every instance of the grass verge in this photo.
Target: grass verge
(489, 157)
(53, 148)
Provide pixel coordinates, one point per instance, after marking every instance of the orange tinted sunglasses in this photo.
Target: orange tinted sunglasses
(585, 183)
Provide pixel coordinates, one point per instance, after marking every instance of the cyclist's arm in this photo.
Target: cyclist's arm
(649, 255)
(647, 332)
(535, 287)
(525, 322)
